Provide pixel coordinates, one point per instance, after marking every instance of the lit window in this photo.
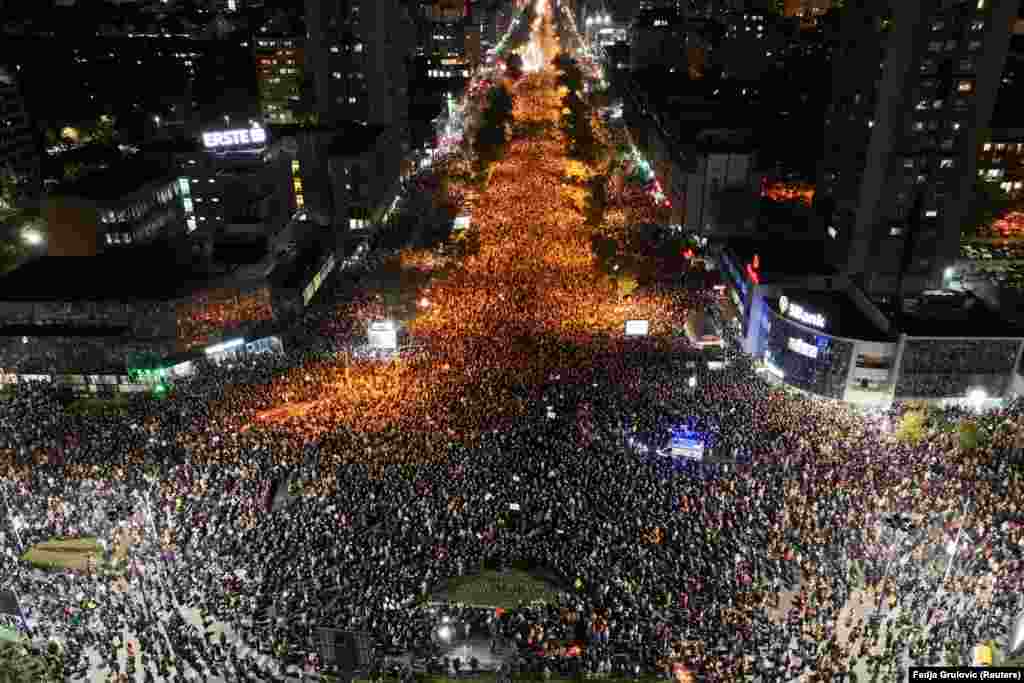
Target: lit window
(931, 213)
(937, 104)
(918, 125)
(994, 173)
(295, 165)
(938, 25)
(351, 100)
(974, 45)
(965, 86)
(922, 105)
(1017, 185)
(336, 74)
(987, 147)
(358, 47)
(895, 231)
(1000, 146)
(908, 163)
(946, 163)
(977, 24)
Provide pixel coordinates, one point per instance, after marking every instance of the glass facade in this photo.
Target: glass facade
(816, 363)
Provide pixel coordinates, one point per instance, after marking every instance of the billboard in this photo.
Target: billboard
(383, 335)
(637, 328)
(219, 139)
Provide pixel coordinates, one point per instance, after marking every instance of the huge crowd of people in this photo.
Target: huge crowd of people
(507, 438)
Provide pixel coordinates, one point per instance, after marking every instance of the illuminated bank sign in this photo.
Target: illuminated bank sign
(802, 347)
(800, 314)
(234, 138)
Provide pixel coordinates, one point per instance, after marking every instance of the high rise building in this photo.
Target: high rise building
(279, 69)
(901, 139)
(19, 151)
(357, 52)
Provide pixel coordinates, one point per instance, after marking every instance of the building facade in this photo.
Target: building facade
(279, 71)
(108, 213)
(902, 139)
(357, 53)
(1001, 160)
(798, 330)
(19, 151)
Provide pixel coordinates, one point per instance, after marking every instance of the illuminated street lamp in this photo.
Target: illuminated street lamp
(32, 237)
(977, 397)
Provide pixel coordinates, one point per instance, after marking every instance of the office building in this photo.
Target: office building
(279, 72)
(723, 177)
(812, 328)
(366, 170)
(806, 9)
(1001, 160)
(19, 150)
(449, 39)
(657, 37)
(129, 203)
(912, 92)
(233, 188)
(357, 53)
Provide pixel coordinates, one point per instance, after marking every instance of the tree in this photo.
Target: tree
(604, 248)
(514, 66)
(967, 432)
(499, 106)
(912, 427)
(988, 204)
(597, 200)
(571, 77)
(626, 284)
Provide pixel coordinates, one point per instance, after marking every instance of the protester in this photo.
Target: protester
(509, 436)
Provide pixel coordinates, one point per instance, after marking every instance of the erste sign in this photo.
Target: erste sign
(229, 138)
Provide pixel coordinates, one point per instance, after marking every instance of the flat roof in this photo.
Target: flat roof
(951, 314)
(116, 181)
(144, 273)
(63, 330)
(782, 257)
(355, 139)
(843, 318)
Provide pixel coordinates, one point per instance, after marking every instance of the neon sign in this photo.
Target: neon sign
(230, 138)
(801, 314)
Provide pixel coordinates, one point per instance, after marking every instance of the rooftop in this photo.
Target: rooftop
(143, 273)
(354, 140)
(116, 181)
(780, 258)
(949, 313)
(843, 317)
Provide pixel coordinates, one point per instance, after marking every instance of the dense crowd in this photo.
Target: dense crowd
(504, 439)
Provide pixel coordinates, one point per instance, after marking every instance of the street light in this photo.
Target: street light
(32, 237)
(977, 398)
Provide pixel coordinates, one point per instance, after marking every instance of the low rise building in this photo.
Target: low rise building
(821, 335)
(132, 202)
